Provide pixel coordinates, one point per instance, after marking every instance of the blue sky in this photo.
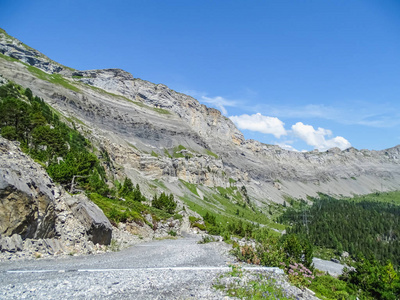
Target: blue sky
(301, 74)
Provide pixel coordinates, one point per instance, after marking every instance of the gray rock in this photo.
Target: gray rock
(26, 198)
(11, 244)
(98, 227)
(16, 240)
(335, 260)
(53, 246)
(4, 243)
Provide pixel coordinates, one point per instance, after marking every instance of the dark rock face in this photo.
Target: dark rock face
(30, 217)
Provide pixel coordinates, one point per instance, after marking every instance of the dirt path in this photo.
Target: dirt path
(167, 269)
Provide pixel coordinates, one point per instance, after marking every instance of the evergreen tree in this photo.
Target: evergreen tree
(164, 202)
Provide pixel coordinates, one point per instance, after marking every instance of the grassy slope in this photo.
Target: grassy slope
(226, 204)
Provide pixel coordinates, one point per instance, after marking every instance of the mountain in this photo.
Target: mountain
(167, 141)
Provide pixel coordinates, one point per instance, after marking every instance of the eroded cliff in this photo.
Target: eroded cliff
(154, 134)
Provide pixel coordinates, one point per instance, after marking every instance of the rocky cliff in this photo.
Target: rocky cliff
(38, 216)
(157, 137)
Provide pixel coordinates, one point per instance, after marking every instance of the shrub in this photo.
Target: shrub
(299, 275)
(129, 192)
(248, 254)
(209, 218)
(164, 202)
(199, 226)
(379, 281)
(9, 133)
(193, 220)
(297, 249)
(178, 217)
(172, 233)
(119, 211)
(271, 254)
(206, 239)
(329, 287)
(237, 284)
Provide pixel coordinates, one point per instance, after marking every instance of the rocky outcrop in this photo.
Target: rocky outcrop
(34, 210)
(97, 226)
(210, 124)
(38, 218)
(27, 202)
(18, 50)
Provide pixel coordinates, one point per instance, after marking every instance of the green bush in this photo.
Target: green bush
(297, 249)
(328, 287)
(210, 219)
(193, 220)
(164, 202)
(172, 233)
(178, 217)
(129, 192)
(377, 280)
(206, 239)
(199, 226)
(119, 211)
(9, 133)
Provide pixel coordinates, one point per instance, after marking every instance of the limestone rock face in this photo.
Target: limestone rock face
(32, 207)
(209, 122)
(16, 49)
(131, 118)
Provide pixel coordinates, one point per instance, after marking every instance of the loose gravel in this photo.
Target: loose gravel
(334, 269)
(165, 269)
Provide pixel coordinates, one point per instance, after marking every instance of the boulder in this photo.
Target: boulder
(11, 244)
(53, 246)
(98, 227)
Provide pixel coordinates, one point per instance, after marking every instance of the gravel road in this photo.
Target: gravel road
(166, 269)
(335, 269)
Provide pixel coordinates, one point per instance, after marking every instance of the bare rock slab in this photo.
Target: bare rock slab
(98, 227)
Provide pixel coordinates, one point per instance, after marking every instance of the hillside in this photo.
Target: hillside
(94, 161)
(168, 141)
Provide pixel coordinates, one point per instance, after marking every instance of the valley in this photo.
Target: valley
(95, 161)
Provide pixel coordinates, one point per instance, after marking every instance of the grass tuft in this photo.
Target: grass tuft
(53, 78)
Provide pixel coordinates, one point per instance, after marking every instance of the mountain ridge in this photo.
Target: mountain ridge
(132, 118)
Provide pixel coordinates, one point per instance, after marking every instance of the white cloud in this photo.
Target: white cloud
(260, 123)
(219, 102)
(287, 147)
(317, 138)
